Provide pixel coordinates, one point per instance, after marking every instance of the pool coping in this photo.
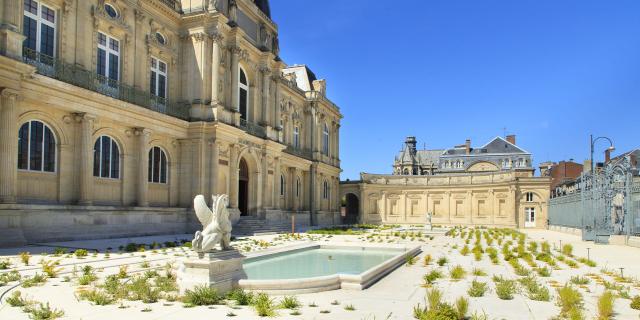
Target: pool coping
(331, 282)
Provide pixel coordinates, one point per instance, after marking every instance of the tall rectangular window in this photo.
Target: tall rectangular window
(158, 84)
(39, 28)
(108, 58)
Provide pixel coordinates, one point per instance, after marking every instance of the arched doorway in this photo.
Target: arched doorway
(243, 188)
(352, 206)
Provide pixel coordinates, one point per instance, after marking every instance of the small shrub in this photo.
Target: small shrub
(98, 297)
(37, 280)
(50, 268)
(570, 302)
(544, 272)
(605, 305)
(505, 289)
(567, 250)
(462, 308)
(478, 272)
(431, 277)
(241, 297)
(16, 300)
(25, 257)
(427, 259)
(477, 289)
(41, 311)
(349, 307)
(290, 302)
(264, 306)
(410, 260)
(578, 280)
(457, 272)
(122, 272)
(5, 264)
(87, 279)
(635, 303)
(434, 298)
(81, 253)
(201, 296)
(442, 261)
(465, 250)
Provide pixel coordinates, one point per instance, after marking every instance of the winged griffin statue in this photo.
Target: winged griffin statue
(216, 224)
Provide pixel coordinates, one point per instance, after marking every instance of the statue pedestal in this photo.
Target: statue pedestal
(220, 270)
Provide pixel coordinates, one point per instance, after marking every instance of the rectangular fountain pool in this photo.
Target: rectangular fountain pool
(316, 262)
(314, 268)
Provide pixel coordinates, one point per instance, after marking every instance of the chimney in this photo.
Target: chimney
(467, 146)
(586, 166)
(511, 138)
(607, 155)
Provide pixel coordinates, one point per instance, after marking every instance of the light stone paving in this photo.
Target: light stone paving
(393, 297)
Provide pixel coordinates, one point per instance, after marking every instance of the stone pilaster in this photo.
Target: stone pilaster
(233, 175)
(266, 79)
(143, 166)
(216, 39)
(264, 171)
(235, 73)
(86, 121)
(215, 166)
(8, 145)
(10, 37)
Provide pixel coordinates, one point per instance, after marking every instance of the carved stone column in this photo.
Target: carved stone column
(235, 60)
(8, 145)
(266, 79)
(86, 158)
(233, 175)
(143, 166)
(216, 39)
(296, 190)
(264, 171)
(10, 37)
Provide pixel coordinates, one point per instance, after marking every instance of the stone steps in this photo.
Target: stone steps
(249, 226)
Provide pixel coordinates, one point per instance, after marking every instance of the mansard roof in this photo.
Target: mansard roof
(304, 76)
(423, 157)
(263, 5)
(496, 146)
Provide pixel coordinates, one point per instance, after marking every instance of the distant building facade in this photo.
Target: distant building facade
(492, 185)
(561, 172)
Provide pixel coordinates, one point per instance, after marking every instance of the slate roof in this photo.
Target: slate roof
(496, 146)
(263, 5)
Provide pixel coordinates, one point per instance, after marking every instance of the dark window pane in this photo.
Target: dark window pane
(31, 6)
(35, 145)
(102, 39)
(162, 84)
(156, 164)
(163, 168)
(23, 147)
(115, 160)
(47, 36)
(96, 158)
(106, 157)
(30, 30)
(243, 104)
(113, 67)
(48, 14)
(153, 82)
(102, 62)
(243, 78)
(49, 151)
(150, 165)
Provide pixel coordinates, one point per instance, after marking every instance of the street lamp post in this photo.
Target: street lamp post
(593, 142)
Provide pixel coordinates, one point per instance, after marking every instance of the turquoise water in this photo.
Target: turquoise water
(315, 263)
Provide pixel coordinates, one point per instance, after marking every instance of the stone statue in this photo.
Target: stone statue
(216, 224)
(428, 222)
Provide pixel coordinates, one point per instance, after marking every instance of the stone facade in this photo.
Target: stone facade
(125, 106)
(482, 194)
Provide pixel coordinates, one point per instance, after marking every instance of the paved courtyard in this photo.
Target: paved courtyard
(393, 297)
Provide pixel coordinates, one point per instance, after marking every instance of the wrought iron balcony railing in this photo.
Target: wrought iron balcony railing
(252, 128)
(77, 76)
(173, 4)
(303, 153)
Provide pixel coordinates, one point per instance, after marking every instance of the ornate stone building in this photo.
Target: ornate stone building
(115, 113)
(491, 186)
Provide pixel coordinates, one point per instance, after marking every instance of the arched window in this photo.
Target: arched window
(243, 93)
(296, 137)
(405, 172)
(325, 139)
(325, 190)
(529, 197)
(106, 158)
(157, 165)
(282, 185)
(36, 147)
(297, 187)
(161, 38)
(111, 11)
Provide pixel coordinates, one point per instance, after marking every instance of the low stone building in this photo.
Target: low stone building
(492, 185)
(115, 114)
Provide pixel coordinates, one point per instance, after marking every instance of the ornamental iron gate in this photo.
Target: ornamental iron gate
(604, 204)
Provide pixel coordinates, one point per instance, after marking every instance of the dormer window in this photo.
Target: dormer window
(161, 39)
(111, 11)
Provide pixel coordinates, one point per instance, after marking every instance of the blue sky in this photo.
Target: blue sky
(550, 71)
